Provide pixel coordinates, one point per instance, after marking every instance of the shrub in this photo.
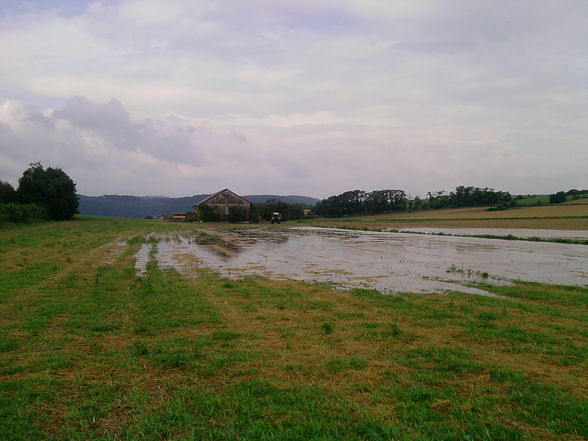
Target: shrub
(327, 328)
(207, 214)
(557, 198)
(236, 214)
(21, 213)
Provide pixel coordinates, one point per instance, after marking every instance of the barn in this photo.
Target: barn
(226, 204)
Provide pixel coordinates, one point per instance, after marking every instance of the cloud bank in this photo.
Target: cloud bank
(184, 97)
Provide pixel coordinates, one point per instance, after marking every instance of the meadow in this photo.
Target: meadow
(91, 350)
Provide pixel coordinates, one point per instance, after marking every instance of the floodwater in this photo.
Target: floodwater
(517, 232)
(388, 262)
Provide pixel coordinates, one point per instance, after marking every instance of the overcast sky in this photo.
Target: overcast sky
(183, 97)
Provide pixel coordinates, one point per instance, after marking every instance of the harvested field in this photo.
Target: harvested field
(554, 217)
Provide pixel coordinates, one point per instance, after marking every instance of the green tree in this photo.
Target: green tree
(236, 214)
(7, 193)
(207, 214)
(557, 198)
(52, 189)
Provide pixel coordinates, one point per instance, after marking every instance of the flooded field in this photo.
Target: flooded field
(389, 262)
(517, 232)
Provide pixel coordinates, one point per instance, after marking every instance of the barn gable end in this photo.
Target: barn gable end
(223, 200)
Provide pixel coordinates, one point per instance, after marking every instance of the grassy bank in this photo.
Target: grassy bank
(90, 351)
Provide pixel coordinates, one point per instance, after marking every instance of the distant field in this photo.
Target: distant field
(544, 199)
(90, 351)
(565, 217)
(582, 201)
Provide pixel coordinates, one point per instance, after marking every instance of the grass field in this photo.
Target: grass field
(88, 350)
(559, 217)
(544, 199)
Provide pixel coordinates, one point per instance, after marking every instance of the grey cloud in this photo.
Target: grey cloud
(82, 112)
(327, 91)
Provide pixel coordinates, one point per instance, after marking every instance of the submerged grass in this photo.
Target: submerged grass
(88, 350)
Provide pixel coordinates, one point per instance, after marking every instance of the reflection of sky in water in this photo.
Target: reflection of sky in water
(390, 262)
(518, 232)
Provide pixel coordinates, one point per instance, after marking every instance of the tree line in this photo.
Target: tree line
(261, 211)
(41, 193)
(358, 202)
(467, 197)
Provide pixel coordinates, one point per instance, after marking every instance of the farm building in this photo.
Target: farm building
(178, 217)
(225, 205)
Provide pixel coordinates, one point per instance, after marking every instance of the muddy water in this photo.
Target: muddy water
(389, 262)
(517, 232)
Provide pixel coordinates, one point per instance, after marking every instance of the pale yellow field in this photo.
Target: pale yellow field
(554, 217)
(481, 212)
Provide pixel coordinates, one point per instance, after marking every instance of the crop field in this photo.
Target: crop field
(92, 350)
(561, 217)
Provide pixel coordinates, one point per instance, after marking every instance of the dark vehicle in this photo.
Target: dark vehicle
(276, 217)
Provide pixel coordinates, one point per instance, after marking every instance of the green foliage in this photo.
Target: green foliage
(359, 202)
(504, 206)
(576, 192)
(236, 214)
(263, 211)
(7, 193)
(557, 198)
(21, 213)
(51, 189)
(468, 197)
(207, 214)
(327, 328)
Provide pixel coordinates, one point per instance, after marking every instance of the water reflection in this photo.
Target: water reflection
(389, 262)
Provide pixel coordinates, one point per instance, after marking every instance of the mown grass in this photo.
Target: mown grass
(88, 350)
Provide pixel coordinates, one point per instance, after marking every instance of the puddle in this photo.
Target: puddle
(517, 232)
(113, 250)
(143, 254)
(388, 262)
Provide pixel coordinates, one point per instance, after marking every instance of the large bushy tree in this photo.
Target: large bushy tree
(557, 198)
(7, 193)
(52, 189)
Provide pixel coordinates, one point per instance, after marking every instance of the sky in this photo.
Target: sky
(184, 97)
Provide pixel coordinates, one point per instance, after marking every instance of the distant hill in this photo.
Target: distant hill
(304, 200)
(141, 206)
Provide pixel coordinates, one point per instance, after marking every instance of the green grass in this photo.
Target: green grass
(534, 200)
(543, 199)
(88, 350)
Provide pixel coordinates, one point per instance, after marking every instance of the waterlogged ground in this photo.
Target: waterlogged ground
(517, 232)
(89, 351)
(389, 262)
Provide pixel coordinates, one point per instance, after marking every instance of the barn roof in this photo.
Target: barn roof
(219, 192)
